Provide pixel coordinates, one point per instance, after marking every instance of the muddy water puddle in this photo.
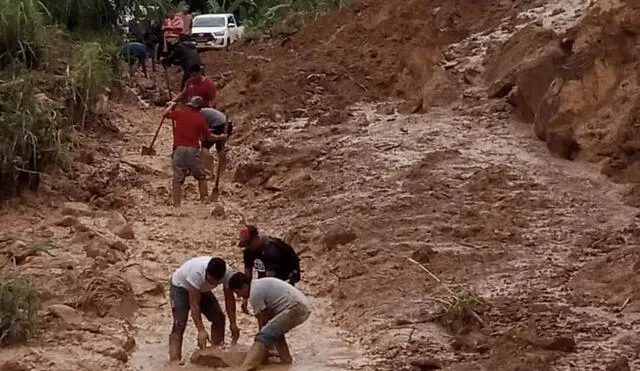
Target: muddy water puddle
(315, 345)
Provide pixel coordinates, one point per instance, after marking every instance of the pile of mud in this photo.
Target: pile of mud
(373, 50)
(579, 88)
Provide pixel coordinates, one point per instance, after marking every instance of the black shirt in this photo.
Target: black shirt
(272, 256)
(184, 54)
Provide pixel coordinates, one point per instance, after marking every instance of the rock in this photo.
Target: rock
(338, 237)
(247, 171)
(66, 221)
(13, 366)
(501, 88)
(423, 255)
(563, 144)
(562, 344)
(77, 209)
(125, 232)
(118, 354)
(218, 212)
(619, 364)
(99, 250)
(216, 358)
(66, 313)
(425, 364)
(335, 117)
(116, 221)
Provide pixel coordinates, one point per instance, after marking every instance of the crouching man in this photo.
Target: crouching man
(279, 307)
(190, 291)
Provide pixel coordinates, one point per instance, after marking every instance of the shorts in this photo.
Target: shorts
(218, 130)
(282, 323)
(187, 160)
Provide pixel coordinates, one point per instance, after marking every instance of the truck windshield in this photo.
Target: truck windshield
(209, 22)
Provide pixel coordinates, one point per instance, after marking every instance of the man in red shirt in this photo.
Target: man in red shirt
(189, 129)
(198, 85)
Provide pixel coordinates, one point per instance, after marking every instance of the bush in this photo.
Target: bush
(18, 309)
(22, 32)
(94, 68)
(32, 137)
(95, 14)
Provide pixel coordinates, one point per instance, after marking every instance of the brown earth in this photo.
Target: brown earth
(436, 172)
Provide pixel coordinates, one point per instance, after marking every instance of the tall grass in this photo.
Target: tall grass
(22, 31)
(93, 69)
(33, 137)
(103, 15)
(18, 309)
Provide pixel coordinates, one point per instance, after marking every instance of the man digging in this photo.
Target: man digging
(190, 290)
(268, 256)
(279, 307)
(189, 129)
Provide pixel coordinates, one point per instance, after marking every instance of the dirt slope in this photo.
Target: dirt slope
(372, 50)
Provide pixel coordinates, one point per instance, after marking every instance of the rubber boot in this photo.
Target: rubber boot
(254, 357)
(202, 188)
(207, 162)
(283, 351)
(175, 348)
(177, 195)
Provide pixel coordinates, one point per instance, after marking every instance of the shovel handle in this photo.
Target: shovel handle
(166, 77)
(153, 141)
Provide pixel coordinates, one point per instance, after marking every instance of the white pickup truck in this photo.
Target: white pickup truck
(215, 31)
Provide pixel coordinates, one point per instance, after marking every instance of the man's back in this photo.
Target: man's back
(275, 296)
(189, 128)
(213, 117)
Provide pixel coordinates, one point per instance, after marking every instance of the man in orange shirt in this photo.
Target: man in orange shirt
(190, 128)
(172, 28)
(187, 20)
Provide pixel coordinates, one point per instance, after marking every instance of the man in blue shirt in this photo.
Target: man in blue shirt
(133, 52)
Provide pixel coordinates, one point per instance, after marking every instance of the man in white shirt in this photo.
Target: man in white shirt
(278, 306)
(191, 287)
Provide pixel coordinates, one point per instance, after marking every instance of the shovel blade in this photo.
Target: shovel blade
(146, 151)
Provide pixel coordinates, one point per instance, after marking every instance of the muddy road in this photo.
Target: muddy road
(469, 194)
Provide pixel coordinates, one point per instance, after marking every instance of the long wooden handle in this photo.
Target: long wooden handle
(157, 131)
(166, 77)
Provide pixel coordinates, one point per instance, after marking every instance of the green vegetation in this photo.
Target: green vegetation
(51, 78)
(459, 308)
(22, 32)
(18, 309)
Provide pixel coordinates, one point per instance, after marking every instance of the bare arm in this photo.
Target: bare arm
(169, 109)
(230, 306)
(194, 305)
(262, 319)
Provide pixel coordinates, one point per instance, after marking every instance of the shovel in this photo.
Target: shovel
(149, 151)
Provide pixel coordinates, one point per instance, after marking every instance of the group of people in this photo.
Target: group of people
(196, 129)
(277, 304)
(154, 39)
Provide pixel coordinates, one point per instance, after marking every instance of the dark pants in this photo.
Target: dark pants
(218, 130)
(209, 307)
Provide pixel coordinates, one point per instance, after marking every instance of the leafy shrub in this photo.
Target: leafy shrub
(33, 136)
(22, 31)
(18, 309)
(94, 67)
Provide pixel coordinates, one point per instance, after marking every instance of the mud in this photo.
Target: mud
(359, 183)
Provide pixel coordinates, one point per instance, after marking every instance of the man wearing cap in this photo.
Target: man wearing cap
(189, 130)
(198, 85)
(190, 291)
(268, 256)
